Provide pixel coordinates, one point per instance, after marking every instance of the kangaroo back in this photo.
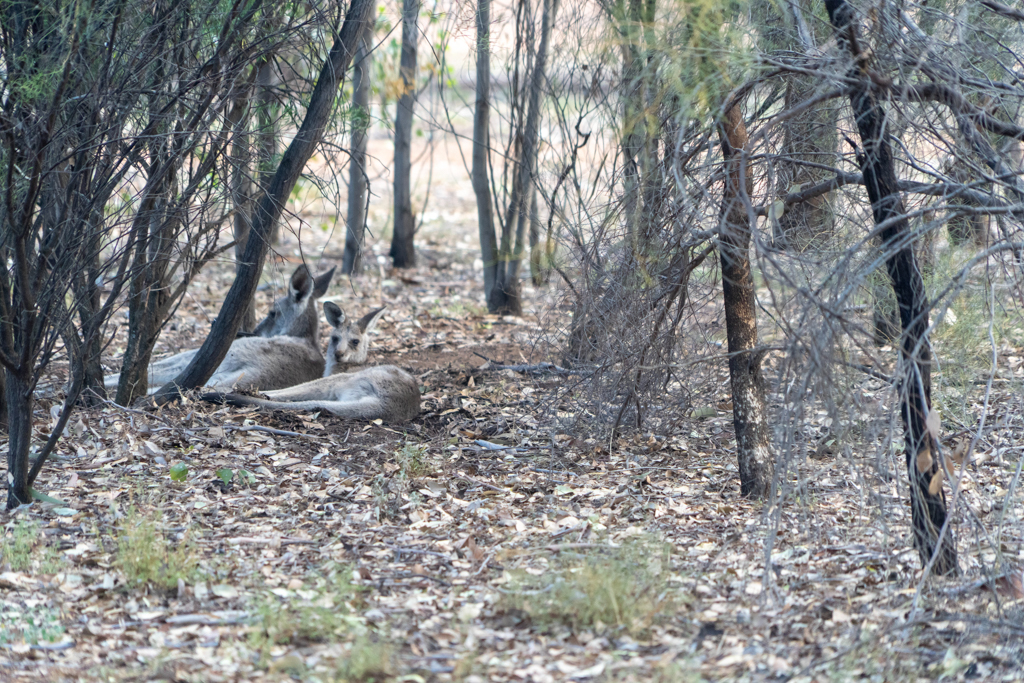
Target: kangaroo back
(284, 349)
(385, 392)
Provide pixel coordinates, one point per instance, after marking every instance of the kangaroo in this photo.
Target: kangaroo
(284, 349)
(383, 392)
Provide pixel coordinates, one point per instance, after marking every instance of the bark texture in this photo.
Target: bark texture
(482, 145)
(352, 261)
(876, 162)
(749, 407)
(403, 252)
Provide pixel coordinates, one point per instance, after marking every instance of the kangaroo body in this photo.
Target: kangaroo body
(383, 392)
(284, 349)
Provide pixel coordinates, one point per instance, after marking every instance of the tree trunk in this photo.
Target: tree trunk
(149, 293)
(269, 208)
(969, 228)
(810, 137)
(482, 146)
(19, 438)
(352, 262)
(402, 251)
(928, 511)
(505, 296)
(241, 189)
(3, 399)
(540, 267)
(749, 406)
(243, 170)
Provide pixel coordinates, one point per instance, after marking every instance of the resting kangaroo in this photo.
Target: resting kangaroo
(284, 349)
(384, 392)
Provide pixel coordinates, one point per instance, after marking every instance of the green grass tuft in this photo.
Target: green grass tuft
(146, 557)
(623, 588)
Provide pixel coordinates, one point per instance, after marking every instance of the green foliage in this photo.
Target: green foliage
(370, 659)
(39, 625)
(179, 471)
(144, 556)
(414, 461)
(624, 588)
(24, 546)
(320, 614)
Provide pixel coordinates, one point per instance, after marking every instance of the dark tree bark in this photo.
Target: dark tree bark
(3, 399)
(360, 121)
(271, 203)
(241, 188)
(19, 406)
(540, 264)
(482, 145)
(749, 406)
(402, 251)
(505, 297)
(876, 162)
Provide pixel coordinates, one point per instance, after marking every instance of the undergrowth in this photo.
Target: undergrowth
(625, 588)
(145, 556)
(24, 548)
(319, 614)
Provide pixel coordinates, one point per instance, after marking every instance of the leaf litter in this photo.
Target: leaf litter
(478, 543)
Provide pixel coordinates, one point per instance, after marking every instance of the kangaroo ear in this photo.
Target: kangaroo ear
(370, 320)
(335, 316)
(321, 282)
(301, 284)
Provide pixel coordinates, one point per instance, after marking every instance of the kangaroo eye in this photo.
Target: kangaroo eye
(353, 343)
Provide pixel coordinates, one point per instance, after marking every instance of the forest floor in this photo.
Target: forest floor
(479, 542)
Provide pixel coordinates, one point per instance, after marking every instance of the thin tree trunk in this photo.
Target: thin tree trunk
(360, 121)
(505, 296)
(540, 268)
(266, 133)
(269, 208)
(928, 511)
(811, 137)
(19, 438)
(402, 250)
(149, 298)
(749, 406)
(3, 399)
(241, 188)
(482, 146)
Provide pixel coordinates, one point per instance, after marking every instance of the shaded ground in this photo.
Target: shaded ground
(480, 542)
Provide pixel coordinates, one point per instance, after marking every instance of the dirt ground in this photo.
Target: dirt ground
(478, 542)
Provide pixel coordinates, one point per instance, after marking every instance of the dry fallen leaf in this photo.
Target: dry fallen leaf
(934, 424)
(924, 459)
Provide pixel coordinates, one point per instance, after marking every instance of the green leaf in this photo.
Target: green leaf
(247, 477)
(42, 497)
(179, 471)
(226, 475)
(706, 411)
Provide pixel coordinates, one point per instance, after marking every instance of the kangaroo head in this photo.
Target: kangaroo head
(349, 340)
(294, 314)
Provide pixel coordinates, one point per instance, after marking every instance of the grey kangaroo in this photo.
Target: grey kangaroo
(283, 350)
(383, 392)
